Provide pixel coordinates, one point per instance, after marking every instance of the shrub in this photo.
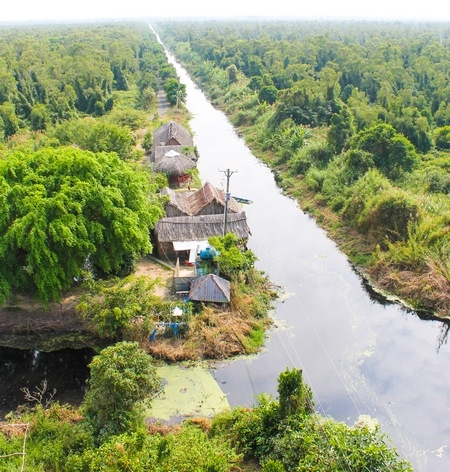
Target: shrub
(443, 137)
(122, 376)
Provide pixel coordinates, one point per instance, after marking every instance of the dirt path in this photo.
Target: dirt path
(163, 103)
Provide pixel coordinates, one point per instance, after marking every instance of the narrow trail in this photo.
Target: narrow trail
(163, 103)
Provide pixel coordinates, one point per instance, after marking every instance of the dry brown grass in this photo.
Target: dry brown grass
(213, 334)
(430, 286)
(14, 430)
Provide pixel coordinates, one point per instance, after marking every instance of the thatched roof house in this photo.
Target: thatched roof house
(176, 166)
(210, 288)
(170, 136)
(208, 200)
(169, 231)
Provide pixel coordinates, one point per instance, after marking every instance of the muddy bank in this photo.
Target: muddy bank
(34, 327)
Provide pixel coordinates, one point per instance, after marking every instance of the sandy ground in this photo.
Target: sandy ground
(155, 270)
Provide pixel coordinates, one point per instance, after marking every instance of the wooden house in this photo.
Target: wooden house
(170, 136)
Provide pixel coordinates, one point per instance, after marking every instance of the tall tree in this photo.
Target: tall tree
(67, 210)
(392, 153)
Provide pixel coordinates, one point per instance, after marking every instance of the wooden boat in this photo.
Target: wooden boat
(243, 200)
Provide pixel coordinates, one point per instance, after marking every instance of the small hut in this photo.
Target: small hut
(170, 136)
(177, 203)
(169, 232)
(210, 288)
(208, 200)
(176, 166)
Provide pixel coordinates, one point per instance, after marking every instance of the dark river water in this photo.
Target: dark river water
(360, 354)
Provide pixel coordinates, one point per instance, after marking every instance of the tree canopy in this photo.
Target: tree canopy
(66, 210)
(122, 377)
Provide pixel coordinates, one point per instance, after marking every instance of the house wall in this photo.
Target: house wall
(172, 211)
(173, 142)
(165, 251)
(178, 181)
(182, 284)
(213, 208)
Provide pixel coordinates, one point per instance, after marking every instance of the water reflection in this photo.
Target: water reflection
(443, 336)
(65, 370)
(360, 353)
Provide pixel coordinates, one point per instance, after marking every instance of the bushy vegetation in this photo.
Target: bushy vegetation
(65, 211)
(108, 432)
(355, 120)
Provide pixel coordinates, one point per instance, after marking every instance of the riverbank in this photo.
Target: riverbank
(426, 291)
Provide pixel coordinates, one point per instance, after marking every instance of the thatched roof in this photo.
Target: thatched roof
(192, 204)
(174, 163)
(210, 288)
(160, 151)
(197, 228)
(172, 131)
(208, 194)
(177, 199)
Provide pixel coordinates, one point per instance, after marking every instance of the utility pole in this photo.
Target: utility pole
(228, 173)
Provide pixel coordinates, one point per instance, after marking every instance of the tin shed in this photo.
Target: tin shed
(210, 288)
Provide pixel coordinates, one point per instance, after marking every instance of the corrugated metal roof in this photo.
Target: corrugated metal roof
(210, 288)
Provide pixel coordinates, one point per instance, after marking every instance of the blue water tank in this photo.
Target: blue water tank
(207, 254)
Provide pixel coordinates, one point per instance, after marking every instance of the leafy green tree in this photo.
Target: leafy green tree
(392, 153)
(268, 94)
(256, 83)
(147, 98)
(122, 376)
(175, 91)
(2, 129)
(232, 73)
(147, 141)
(443, 137)
(39, 118)
(341, 129)
(96, 136)
(66, 210)
(232, 258)
(114, 304)
(293, 395)
(324, 445)
(10, 120)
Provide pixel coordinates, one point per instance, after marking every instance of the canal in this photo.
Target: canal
(360, 354)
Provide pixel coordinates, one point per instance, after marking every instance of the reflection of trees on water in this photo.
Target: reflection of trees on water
(443, 335)
(382, 300)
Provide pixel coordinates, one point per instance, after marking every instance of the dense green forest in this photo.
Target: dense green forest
(72, 102)
(354, 119)
(77, 110)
